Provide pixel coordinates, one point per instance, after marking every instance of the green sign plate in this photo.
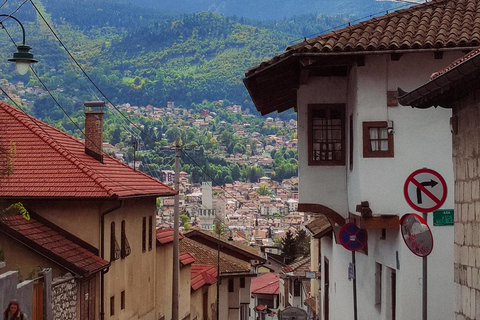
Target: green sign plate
(443, 217)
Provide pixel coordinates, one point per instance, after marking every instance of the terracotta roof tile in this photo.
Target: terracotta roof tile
(206, 255)
(186, 258)
(267, 283)
(254, 253)
(298, 268)
(319, 226)
(165, 236)
(49, 242)
(202, 274)
(49, 163)
(435, 24)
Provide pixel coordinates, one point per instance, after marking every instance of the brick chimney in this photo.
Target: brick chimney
(94, 111)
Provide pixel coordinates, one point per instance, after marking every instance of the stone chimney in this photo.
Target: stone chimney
(94, 111)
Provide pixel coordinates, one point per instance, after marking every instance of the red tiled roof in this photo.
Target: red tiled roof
(455, 63)
(298, 268)
(241, 248)
(260, 307)
(186, 258)
(165, 236)
(50, 243)
(319, 226)
(435, 24)
(267, 283)
(206, 255)
(202, 274)
(50, 163)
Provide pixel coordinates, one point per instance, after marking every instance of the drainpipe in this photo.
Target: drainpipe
(102, 255)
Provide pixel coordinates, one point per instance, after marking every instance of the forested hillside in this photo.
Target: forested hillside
(146, 57)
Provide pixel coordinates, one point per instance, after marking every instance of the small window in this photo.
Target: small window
(150, 233)
(296, 288)
(122, 300)
(378, 284)
(114, 247)
(242, 282)
(125, 246)
(112, 306)
(377, 140)
(144, 234)
(231, 286)
(326, 134)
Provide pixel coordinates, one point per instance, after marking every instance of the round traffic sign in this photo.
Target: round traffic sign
(352, 237)
(425, 190)
(416, 234)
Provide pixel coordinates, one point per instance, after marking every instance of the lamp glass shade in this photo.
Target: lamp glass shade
(22, 67)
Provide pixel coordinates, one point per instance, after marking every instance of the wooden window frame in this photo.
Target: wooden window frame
(378, 284)
(150, 233)
(297, 287)
(329, 108)
(367, 149)
(144, 234)
(125, 249)
(115, 251)
(112, 305)
(242, 282)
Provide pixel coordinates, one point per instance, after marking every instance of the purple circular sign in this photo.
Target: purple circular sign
(352, 237)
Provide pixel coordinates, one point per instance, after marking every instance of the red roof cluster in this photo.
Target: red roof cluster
(50, 163)
(47, 241)
(203, 274)
(267, 283)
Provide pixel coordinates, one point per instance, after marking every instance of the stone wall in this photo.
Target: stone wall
(466, 161)
(64, 298)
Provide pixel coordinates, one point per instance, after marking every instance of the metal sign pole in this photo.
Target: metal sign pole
(424, 280)
(354, 286)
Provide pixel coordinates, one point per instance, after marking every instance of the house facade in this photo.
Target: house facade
(456, 87)
(358, 146)
(237, 264)
(95, 213)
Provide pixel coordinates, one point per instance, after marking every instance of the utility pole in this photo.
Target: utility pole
(176, 217)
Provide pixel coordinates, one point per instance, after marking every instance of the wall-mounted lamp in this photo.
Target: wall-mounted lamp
(22, 58)
(390, 127)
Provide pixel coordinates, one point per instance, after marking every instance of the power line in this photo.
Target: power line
(80, 67)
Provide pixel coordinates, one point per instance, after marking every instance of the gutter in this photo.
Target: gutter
(424, 96)
(102, 254)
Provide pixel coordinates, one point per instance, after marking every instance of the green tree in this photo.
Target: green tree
(264, 190)
(218, 227)
(302, 240)
(289, 247)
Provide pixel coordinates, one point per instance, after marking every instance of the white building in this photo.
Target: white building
(206, 213)
(356, 144)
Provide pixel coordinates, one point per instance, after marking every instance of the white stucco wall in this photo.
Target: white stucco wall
(422, 139)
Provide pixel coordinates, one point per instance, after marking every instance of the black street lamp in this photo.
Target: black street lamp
(22, 58)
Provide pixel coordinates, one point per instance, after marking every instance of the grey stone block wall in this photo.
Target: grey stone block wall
(466, 161)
